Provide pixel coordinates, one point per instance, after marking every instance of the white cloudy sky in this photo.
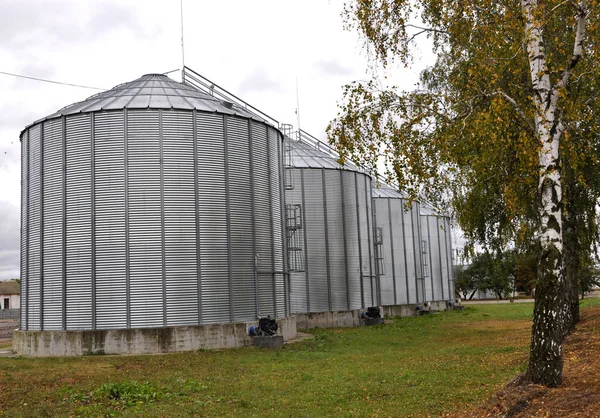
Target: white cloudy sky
(255, 49)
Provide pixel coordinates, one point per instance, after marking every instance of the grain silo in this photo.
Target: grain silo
(437, 255)
(152, 204)
(334, 204)
(402, 277)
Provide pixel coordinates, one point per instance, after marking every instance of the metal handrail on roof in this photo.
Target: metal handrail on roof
(317, 144)
(205, 85)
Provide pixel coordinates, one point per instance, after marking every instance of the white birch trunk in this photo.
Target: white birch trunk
(545, 362)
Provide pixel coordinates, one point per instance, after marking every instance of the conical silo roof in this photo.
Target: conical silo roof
(155, 91)
(428, 209)
(385, 190)
(305, 155)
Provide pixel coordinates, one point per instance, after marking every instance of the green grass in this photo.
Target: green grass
(411, 367)
(588, 302)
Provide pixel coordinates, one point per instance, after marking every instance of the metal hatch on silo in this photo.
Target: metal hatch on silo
(152, 204)
(337, 226)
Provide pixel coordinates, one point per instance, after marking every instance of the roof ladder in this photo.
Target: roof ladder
(378, 241)
(288, 134)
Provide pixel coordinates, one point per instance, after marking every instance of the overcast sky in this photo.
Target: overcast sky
(255, 49)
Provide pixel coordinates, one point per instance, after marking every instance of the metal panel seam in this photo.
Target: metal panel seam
(253, 219)
(64, 226)
(42, 226)
(362, 288)
(93, 213)
(28, 230)
(389, 205)
(327, 262)
(271, 223)
(306, 268)
(228, 216)
(197, 213)
(412, 226)
(343, 198)
(127, 255)
(162, 215)
(430, 260)
(406, 257)
(369, 231)
(22, 240)
(282, 212)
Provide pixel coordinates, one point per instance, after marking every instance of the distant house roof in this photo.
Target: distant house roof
(10, 287)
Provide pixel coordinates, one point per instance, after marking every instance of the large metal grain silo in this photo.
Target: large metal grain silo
(437, 255)
(151, 205)
(402, 277)
(339, 271)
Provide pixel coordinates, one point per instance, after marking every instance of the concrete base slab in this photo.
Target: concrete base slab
(352, 318)
(141, 340)
(271, 341)
(337, 319)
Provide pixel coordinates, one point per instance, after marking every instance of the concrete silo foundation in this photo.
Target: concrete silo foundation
(141, 340)
(353, 318)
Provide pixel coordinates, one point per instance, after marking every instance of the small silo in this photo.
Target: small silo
(152, 204)
(339, 271)
(437, 255)
(402, 276)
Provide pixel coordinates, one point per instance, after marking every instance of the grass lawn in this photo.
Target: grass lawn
(411, 367)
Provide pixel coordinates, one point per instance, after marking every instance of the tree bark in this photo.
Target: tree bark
(572, 257)
(545, 360)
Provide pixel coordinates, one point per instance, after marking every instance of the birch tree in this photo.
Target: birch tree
(489, 122)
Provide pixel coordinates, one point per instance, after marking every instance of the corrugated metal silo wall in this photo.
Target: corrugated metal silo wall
(24, 225)
(448, 259)
(402, 273)
(436, 231)
(146, 218)
(338, 234)
(35, 227)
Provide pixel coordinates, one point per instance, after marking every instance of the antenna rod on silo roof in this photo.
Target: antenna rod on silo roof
(182, 49)
(297, 105)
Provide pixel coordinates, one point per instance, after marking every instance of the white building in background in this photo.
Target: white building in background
(10, 294)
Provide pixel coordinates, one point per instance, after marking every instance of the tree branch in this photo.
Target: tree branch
(560, 4)
(517, 108)
(408, 40)
(578, 47)
(427, 29)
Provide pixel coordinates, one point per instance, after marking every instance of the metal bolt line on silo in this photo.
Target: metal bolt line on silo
(152, 204)
(339, 266)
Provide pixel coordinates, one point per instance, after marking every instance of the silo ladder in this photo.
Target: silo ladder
(295, 238)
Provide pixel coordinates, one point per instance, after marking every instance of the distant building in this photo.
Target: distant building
(10, 294)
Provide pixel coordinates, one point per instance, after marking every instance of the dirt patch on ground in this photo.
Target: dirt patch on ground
(579, 396)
